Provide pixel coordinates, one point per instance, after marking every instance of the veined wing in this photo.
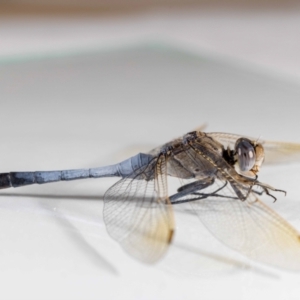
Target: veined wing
(275, 152)
(250, 227)
(138, 214)
(281, 152)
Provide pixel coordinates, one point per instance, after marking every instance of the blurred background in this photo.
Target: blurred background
(88, 83)
(263, 34)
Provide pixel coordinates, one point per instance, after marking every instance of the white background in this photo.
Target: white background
(85, 92)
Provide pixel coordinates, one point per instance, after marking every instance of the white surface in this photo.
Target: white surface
(84, 110)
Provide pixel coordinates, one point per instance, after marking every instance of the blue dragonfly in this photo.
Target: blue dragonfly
(216, 173)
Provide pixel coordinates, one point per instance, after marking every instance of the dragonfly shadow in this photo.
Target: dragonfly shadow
(96, 258)
(234, 264)
(72, 232)
(53, 196)
(225, 262)
(81, 243)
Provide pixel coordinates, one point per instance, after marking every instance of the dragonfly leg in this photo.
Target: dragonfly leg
(196, 185)
(251, 188)
(266, 189)
(193, 188)
(205, 195)
(190, 189)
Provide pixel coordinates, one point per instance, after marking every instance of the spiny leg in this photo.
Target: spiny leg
(193, 188)
(206, 195)
(265, 189)
(189, 189)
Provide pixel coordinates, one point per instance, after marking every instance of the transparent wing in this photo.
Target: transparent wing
(281, 152)
(275, 152)
(227, 139)
(250, 227)
(138, 214)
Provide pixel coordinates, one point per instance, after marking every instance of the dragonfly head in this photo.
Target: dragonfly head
(250, 156)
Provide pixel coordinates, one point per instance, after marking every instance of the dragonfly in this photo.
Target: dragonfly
(216, 174)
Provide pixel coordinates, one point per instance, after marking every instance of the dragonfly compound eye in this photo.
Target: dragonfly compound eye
(246, 156)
